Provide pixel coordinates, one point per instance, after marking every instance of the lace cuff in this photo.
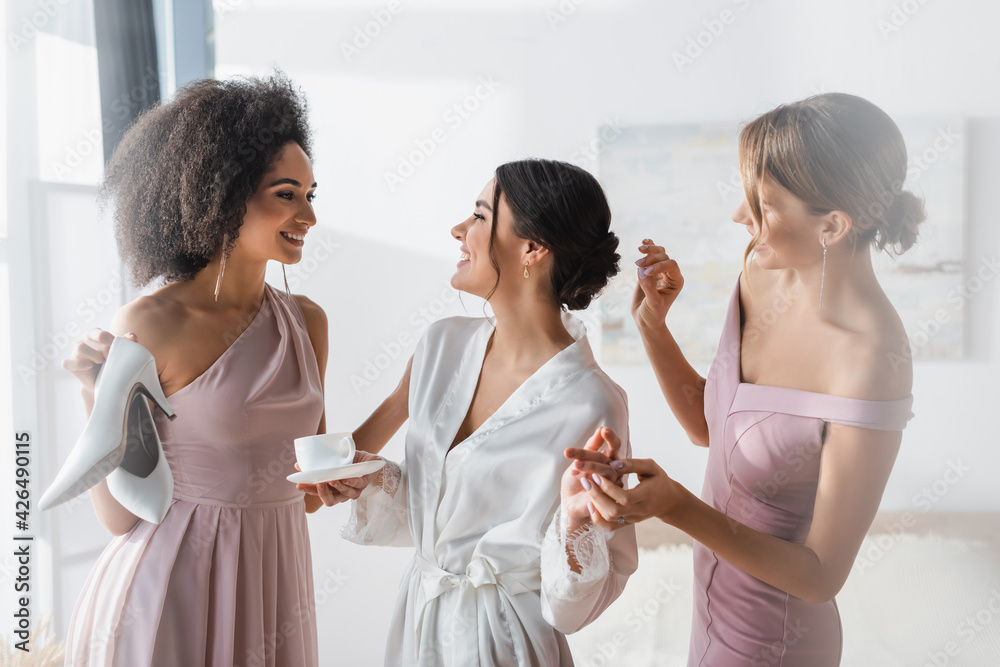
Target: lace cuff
(378, 516)
(590, 547)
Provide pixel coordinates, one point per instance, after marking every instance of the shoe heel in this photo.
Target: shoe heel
(150, 384)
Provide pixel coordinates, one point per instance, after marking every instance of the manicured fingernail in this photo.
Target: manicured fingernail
(579, 464)
(639, 261)
(643, 247)
(647, 240)
(642, 276)
(618, 465)
(590, 507)
(585, 484)
(597, 479)
(647, 271)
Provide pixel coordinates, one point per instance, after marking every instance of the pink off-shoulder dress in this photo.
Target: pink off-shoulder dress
(226, 578)
(763, 469)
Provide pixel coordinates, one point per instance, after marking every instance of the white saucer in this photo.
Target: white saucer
(333, 474)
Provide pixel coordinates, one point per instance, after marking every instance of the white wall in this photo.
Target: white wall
(557, 82)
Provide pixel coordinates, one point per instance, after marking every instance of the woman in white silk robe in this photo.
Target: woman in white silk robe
(507, 558)
(482, 589)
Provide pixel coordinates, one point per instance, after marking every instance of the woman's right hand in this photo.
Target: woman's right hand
(656, 495)
(660, 281)
(90, 354)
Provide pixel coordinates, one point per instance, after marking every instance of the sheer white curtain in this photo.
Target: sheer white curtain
(60, 276)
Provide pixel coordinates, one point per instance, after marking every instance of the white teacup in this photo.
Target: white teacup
(324, 451)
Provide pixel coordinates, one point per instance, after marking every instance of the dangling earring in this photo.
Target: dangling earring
(283, 275)
(526, 270)
(822, 276)
(222, 265)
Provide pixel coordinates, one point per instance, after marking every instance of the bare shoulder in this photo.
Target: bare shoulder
(155, 319)
(317, 326)
(314, 313)
(874, 362)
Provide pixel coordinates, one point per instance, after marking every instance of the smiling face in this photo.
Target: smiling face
(475, 272)
(789, 234)
(280, 211)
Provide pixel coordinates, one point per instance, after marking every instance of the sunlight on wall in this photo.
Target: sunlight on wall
(70, 142)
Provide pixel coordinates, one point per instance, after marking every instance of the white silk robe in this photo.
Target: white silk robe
(489, 583)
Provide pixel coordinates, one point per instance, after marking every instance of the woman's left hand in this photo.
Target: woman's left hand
(597, 457)
(341, 490)
(334, 493)
(656, 495)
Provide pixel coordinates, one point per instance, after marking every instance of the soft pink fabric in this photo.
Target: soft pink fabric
(763, 468)
(226, 579)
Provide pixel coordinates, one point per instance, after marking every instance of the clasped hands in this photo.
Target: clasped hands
(593, 487)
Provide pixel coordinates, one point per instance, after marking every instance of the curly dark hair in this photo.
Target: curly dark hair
(183, 173)
(563, 208)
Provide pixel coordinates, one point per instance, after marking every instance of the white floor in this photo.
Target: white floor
(909, 602)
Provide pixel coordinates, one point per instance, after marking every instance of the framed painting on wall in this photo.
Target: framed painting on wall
(679, 185)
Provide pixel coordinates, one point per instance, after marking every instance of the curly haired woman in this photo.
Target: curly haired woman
(207, 189)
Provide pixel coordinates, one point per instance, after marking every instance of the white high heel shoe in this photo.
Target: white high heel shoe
(143, 483)
(130, 370)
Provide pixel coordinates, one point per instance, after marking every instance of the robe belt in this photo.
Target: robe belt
(434, 581)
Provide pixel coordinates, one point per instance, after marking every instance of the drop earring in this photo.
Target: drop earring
(822, 275)
(222, 265)
(285, 276)
(526, 275)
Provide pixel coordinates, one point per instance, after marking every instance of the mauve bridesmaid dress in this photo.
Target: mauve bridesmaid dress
(226, 579)
(763, 469)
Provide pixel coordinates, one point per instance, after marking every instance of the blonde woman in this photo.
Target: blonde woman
(803, 409)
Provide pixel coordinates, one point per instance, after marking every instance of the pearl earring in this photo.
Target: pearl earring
(526, 270)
